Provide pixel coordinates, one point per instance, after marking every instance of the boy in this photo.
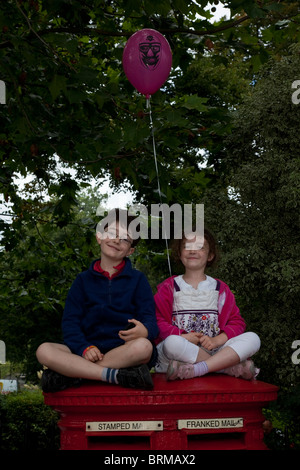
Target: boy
(109, 320)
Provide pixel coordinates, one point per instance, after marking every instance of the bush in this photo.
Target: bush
(284, 415)
(26, 423)
(256, 219)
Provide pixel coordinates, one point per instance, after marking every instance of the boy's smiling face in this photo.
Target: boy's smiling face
(115, 242)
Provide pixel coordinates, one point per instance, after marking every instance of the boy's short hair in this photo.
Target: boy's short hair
(176, 247)
(122, 216)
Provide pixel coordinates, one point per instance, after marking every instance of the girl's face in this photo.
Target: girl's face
(195, 255)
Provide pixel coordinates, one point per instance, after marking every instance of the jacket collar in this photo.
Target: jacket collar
(126, 271)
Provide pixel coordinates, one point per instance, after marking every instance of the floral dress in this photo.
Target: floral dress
(196, 310)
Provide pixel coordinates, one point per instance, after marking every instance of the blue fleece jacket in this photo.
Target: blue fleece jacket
(97, 308)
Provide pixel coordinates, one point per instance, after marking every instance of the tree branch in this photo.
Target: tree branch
(47, 46)
(172, 31)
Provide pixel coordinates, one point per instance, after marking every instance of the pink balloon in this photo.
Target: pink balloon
(147, 60)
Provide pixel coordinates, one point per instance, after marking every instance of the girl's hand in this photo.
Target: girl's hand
(212, 343)
(93, 354)
(192, 337)
(139, 331)
(207, 342)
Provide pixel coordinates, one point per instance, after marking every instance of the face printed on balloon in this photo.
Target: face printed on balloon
(150, 53)
(147, 60)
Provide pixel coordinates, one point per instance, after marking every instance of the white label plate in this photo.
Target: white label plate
(210, 423)
(119, 426)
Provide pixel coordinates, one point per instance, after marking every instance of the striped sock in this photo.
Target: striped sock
(200, 368)
(109, 375)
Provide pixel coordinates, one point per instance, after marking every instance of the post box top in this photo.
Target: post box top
(214, 388)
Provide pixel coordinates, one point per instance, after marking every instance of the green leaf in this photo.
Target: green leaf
(75, 95)
(194, 102)
(57, 85)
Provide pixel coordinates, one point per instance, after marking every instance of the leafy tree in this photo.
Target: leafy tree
(71, 115)
(69, 103)
(258, 225)
(37, 274)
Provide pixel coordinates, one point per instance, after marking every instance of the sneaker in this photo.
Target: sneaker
(244, 370)
(54, 382)
(180, 370)
(135, 377)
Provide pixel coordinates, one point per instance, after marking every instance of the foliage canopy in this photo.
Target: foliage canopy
(226, 135)
(69, 104)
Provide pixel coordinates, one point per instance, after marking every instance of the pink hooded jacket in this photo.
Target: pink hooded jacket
(230, 319)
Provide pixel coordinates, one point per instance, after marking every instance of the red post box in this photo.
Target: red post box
(211, 412)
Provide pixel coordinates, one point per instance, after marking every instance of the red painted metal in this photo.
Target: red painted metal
(214, 400)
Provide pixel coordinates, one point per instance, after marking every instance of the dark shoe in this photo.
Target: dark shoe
(135, 377)
(55, 382)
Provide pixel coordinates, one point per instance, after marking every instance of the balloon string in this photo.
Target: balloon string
(148, 106)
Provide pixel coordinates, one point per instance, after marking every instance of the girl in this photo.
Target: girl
(201, 329)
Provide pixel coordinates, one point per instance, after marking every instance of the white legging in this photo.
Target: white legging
(180, 349)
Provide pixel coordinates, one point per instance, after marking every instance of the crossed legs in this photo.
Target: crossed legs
(59, 358)
(233, 352)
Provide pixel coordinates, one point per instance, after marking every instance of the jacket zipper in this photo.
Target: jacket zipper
(109, 291)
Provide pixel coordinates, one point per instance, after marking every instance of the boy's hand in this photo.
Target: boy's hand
(93, 354)
(139, 331)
